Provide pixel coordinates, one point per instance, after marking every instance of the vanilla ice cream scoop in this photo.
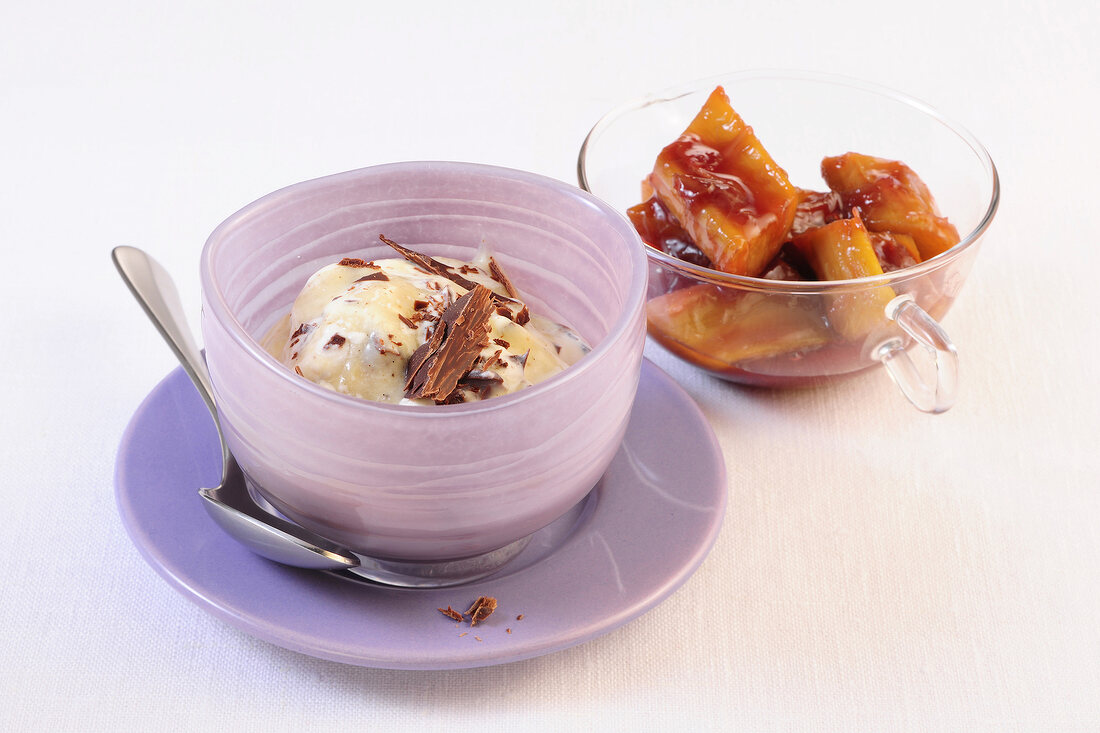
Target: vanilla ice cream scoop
(356, 324)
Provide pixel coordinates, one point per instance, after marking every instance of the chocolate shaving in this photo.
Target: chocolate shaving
(520, 359)
(406, 321)
(302, 330)
(431, 265)
(451, 613)
(500, 277)
(337, 340)
(374, 276)
(419, 305)
(298, 370)
(501, 342)
(355, 262)
(481, 609)
(459, 336)
(420, 356)
(520, 317)
(482, 375)
(436, 267)
(380, 345)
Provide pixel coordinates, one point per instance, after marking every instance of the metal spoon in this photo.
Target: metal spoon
(229, 503)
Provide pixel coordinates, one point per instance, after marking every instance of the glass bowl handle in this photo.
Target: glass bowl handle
(928, 392)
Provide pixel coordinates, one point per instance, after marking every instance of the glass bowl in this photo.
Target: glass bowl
(778, 333)
(426, 492)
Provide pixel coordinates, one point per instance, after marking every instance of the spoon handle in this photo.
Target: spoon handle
(157, 294)
(229, 504)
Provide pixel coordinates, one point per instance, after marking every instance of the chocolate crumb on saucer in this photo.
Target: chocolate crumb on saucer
(451, 613)
(478, 611)
(481, 609)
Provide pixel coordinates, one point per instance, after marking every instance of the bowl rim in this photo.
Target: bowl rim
(759, 284)
(632, 311)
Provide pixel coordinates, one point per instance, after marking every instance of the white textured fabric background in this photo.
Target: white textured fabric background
(878, 569)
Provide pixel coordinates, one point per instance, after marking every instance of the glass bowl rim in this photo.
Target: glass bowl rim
(223, 314)
(811, 287)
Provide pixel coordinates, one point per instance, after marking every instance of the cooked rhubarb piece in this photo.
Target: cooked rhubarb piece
(715, 327)
(815, 209)
(842, 250)
(657, 226)
(891, 198)
(894, 251)
(726, 191)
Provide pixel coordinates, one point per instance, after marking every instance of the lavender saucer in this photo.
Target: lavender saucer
(640, 533)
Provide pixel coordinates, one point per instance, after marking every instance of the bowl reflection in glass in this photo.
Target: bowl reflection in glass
(776, 332)
(435, 490)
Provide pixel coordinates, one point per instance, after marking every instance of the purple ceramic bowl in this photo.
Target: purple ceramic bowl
(413, 483)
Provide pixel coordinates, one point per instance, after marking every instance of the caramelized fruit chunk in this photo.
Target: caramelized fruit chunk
(842, 250)
(715, 327)
(735, 202)
(894, 251)
(815, 210)
(659, 228)
(891, 198)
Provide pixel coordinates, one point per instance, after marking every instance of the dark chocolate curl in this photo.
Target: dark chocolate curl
(433, 266)
(500, 277)
(459, 336)
(439, 269)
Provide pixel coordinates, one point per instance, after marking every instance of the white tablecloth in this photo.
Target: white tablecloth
(878, 569)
